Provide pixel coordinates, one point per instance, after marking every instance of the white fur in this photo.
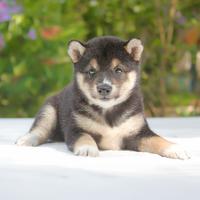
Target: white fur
(175, 151)
(124, 92)
(106, 81)
(87, 150)
(28, 140)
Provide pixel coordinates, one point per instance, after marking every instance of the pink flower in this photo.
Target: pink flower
(3, 5)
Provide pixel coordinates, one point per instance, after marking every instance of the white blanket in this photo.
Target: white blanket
(50, 171)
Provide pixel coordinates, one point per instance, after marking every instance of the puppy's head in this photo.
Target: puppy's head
(106, 68)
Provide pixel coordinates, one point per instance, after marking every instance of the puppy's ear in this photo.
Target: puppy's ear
(135, 48)
(75, 50)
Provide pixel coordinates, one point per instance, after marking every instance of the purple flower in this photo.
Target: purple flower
(180, 19)
(8, 8)
(15, 9)
(32, 34)
(4, 17)
(2, 42)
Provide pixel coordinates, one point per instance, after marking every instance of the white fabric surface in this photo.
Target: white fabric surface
(50, 171)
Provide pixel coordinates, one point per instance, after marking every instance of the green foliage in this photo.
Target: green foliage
(34, 63)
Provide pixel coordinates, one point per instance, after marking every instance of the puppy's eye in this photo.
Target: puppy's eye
(92, 72)
(118, 70)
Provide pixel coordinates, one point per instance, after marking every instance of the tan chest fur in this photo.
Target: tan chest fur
(111, 137)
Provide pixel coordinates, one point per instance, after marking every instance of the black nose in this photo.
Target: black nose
(104, 89)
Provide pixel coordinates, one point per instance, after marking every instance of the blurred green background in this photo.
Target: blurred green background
(33, 49)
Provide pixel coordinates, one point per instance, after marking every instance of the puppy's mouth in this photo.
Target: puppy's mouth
(105, 98)
(102, 98)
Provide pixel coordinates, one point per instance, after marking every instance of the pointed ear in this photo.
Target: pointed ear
(135, 48)
(75, 50)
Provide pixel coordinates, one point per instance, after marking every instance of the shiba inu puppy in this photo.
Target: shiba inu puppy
(102, 108)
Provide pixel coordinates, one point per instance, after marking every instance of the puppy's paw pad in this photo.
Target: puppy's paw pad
(87, 150)
(177, 152)
(27, 140)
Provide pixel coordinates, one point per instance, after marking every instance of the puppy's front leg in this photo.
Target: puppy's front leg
(148, 141)
(83, 144)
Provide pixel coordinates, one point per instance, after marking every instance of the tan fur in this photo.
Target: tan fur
(94, 64)
(163, 147)
(43, 130)
(47, 123)
(115, 62)
(155, 144)
(128, 85)
(75, 50)
(123, 93)
(111, 136)
(135, 48)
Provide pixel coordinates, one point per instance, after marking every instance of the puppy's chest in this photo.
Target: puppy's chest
(111, 136)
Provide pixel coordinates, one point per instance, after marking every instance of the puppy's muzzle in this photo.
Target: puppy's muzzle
(104, 89)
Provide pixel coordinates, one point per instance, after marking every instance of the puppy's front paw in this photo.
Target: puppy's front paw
(87, 150)
(176, 152)
(27, 140)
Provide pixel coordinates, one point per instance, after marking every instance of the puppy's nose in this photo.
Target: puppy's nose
(104, 89)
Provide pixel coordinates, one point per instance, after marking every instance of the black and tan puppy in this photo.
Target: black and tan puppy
(102, 108)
